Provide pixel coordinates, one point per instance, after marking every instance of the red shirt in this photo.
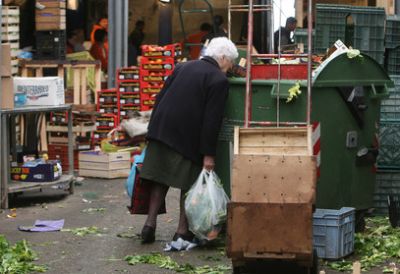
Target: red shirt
(99, 52)
(195, 38)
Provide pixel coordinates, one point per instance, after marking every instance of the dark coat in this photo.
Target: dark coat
(188, 112)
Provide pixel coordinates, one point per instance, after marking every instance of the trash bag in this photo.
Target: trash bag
(205, 206)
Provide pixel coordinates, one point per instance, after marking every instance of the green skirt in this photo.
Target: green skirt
(165, 166)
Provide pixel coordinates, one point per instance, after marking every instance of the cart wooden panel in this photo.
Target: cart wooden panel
(261, 230)
(273, 179)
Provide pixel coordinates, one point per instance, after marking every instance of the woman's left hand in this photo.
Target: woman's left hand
(208, 162)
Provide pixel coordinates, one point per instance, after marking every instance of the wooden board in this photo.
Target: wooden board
(273, 179)
(91, 156)
(107, 174)
(260, 230)
(273, 141)
(50, 12)
(105, 166)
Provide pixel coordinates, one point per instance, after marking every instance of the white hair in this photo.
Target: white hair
(220, 47)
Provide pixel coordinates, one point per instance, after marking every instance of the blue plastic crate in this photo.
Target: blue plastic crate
(333, 232)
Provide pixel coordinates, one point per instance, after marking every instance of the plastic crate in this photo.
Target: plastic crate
(389, 149)
(393, 61)
(301, 37)
(330, 25)
(369, 29)
(333, 232)
(392, 33)
(50, 45)
(387, 183)
(128, 73)
(390, 107)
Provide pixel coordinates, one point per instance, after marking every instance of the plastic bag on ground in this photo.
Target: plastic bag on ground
(206, 206)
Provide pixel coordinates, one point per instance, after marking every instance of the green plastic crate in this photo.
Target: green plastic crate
(390, 107)
(330, 25)
(392, 32)
(389, 149)
(393, 61)
(387, 183)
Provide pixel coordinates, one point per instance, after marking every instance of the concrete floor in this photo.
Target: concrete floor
(64, 252)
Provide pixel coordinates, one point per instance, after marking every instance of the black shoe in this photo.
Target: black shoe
(189, 236)
(148, 234)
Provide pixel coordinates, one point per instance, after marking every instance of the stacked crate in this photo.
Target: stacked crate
(362, 28)
(392, 44)
(10, 33)
(108, 107)
(128, 89)
(50, 30)
(58, 137)
(157, 64)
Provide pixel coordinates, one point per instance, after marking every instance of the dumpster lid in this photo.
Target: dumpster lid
(345, 71)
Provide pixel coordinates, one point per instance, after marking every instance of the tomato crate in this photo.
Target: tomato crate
(146, 108)
(154, 75)
(172, 50)
(128, 110)
(106, 120)
(108, 109)
(129, 98)
(129, 86)
(129, 73)
(149, 63)
(148, 102)
(151, 87)
(107, 98)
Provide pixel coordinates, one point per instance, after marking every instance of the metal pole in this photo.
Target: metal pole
(165, 24)
(70, 144)
(309, 65)
(247, 113)
(279, 65)
(229, 20)
(117, 38)
(1, 127)
(5, 165)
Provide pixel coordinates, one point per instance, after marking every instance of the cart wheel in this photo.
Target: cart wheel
(314, 268)
(237, 270)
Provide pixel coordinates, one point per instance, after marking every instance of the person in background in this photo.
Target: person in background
(196, 38)
(135, 41)
(286, 34)
(183, 130)
(102, 24)
(75, 39)
(98, 50)
(217, 29)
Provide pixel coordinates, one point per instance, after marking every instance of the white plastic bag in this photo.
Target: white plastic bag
(205, 206)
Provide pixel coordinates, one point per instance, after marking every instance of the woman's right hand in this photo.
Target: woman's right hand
(208, 162)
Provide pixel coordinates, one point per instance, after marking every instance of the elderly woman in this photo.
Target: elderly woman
(183, 130)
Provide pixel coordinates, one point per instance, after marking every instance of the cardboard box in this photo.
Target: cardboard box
(51, 171)
(41, 91)
(7, 93)
(104, 165)
(5, 60)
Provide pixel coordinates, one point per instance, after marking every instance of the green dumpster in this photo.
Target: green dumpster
(346, 98)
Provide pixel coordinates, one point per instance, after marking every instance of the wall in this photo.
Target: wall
(148, 11)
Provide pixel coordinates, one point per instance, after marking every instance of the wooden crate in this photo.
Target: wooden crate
(270, 231)
(273, 141)
(104, 165)
(273, 179)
